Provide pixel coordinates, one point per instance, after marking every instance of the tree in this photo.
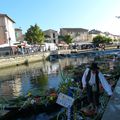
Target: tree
(97, 40)
(60, 37)
(34, 35)
(108, 40)
(101, 40)
(67, 39)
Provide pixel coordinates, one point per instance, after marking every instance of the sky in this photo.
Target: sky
(56, 14)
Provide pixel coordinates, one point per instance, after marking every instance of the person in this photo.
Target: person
(90, 81)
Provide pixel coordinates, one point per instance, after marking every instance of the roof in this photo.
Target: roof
(75, 29)
(5, 15)
(18, 29)
(50, 30)
(94, 31)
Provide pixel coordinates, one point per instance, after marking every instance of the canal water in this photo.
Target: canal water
(19, 80)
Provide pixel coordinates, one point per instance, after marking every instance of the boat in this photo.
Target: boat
(30, 106)
(15, 113)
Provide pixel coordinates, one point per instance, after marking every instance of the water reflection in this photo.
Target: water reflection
(40, 80)
(17, 86)
(19, 80)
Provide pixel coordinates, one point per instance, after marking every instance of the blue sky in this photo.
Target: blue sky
(55, 14)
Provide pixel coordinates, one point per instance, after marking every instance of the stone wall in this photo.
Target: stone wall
(22, 59)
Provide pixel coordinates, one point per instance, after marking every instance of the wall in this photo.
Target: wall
(22, 59)
(53, 35)
(2, 31)
(10, 31)
(77, 34)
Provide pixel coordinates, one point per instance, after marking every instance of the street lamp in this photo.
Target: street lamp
(9, 41)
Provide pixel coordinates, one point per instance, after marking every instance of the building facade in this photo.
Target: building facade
(18, 34)
(7, 32)
(93, 33)
(51, 36)
(78, 34)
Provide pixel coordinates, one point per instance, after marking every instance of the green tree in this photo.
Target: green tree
(60, 37)
(97, 40)
(34, 35)
(67, 38)
(108, 40)
(101, 40)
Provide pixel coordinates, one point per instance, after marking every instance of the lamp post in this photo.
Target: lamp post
(9, 41)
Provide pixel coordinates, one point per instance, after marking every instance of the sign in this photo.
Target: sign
(64, 100)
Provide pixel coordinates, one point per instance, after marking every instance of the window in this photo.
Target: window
(53, 35)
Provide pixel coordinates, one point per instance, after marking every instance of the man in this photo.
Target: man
(90, 81)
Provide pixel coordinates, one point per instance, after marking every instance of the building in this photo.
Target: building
(113, 37)
(51, 36)
(93, 33)
(7, 32)
(18, 34)
(78, 34)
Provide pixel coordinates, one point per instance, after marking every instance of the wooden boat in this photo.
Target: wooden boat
(30, 105)
(32, 109)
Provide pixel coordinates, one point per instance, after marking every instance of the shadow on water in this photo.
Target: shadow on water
(40, 80)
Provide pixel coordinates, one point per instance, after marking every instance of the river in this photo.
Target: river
(19, 80)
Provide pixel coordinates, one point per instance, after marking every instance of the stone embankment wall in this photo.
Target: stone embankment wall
(25, 59)
(22, 59)
(16, 60)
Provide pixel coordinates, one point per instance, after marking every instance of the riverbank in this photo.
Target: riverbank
(17, 60)
(22, 59)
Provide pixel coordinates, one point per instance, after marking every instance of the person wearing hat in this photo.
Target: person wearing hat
(90, 81)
